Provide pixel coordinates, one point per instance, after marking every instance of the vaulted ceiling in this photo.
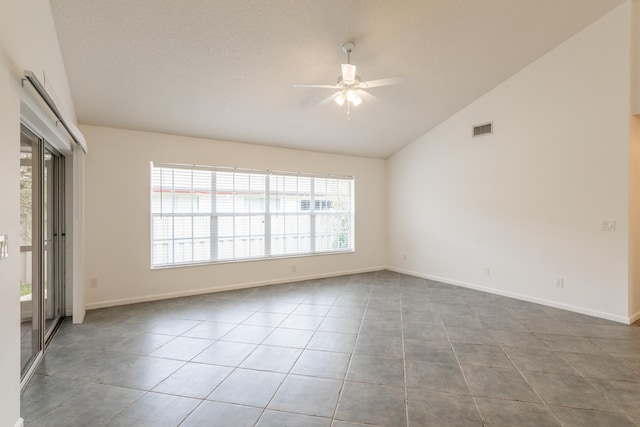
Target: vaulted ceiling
(225, 69)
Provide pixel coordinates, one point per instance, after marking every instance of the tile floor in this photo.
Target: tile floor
(378, 349)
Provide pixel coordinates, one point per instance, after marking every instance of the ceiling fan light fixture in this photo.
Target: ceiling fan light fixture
(351, 95)
(340, 99)
(356, 101)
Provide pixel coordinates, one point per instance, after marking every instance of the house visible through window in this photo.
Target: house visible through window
(202, 214)
(305, 205)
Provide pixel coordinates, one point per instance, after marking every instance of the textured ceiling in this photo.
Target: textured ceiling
(225, 69)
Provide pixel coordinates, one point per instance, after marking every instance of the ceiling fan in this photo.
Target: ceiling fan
(350, 89)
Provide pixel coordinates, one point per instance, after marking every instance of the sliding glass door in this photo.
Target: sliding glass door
(41, 245)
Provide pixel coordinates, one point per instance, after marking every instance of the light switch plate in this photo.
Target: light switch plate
(4, 246)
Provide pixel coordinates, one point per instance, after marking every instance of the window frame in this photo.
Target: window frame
(268, 214)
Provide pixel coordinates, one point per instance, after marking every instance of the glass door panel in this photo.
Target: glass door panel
(30, 244)
(52, 239)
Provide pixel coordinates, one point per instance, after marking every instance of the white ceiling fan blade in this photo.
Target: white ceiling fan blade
(348, 72)
(329, 99)
(382, 82)
(366, 96)
(320, 86)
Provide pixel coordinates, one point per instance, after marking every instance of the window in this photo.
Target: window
(203, 214)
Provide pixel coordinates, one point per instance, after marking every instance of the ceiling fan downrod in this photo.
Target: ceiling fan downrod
(347, 48)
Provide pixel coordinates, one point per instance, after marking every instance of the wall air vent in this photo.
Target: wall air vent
(484, 129)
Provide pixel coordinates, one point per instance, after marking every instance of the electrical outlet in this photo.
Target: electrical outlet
(607, 225)
(486, 271)
(293, 268)
(93, 282)
(560, 283)
(404, 257)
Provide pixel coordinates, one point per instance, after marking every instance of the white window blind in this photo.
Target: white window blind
(207, 214)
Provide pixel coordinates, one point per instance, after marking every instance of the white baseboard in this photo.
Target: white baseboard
(232, 287)
(236, 286)
(20, 423)
(523, 297)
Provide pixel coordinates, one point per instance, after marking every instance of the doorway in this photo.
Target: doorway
(41, 247)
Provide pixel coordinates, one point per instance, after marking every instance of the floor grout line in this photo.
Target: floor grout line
(346, 373)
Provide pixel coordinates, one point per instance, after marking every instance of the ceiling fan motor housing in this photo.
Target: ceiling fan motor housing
(345, 84)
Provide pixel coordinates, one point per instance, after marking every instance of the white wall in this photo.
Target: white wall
(9, 267)
(27, 41)
(117, 215)
(634, 178)
(635, 56)
(528, 201)
(634, 219)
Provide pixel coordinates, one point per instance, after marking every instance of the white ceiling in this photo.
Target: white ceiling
(225, 69)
